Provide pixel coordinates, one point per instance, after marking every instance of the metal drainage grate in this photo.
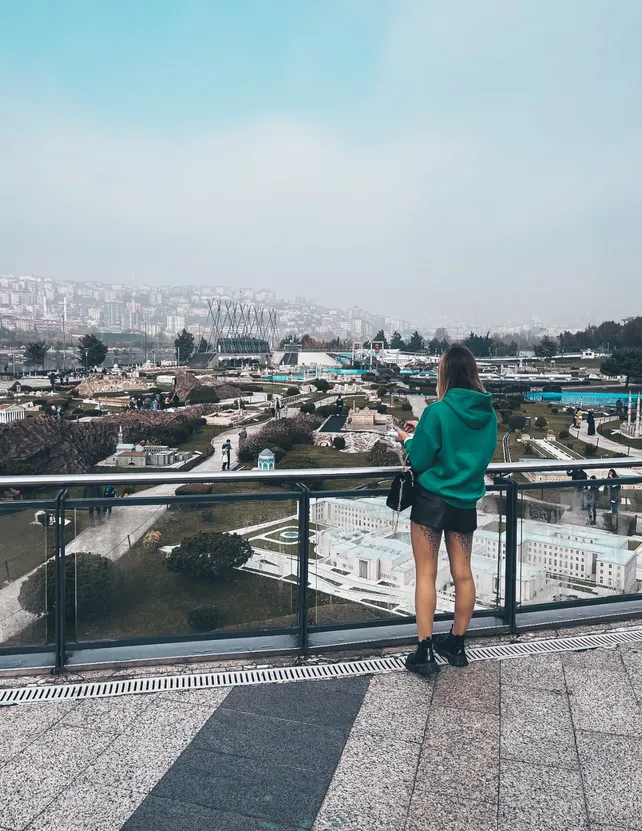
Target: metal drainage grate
(312, 672)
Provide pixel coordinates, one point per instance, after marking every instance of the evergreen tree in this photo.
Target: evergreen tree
(546, 348)
(184, 343)
(417, 342)
(36, 351)
(396, 342)
(626, 362)
(91, 351)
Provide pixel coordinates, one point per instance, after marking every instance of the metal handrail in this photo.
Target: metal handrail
(304, 475)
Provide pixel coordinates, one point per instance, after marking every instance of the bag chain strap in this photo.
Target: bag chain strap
(396, 514)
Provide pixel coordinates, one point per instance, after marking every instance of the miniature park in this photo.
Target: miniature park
(139, 571)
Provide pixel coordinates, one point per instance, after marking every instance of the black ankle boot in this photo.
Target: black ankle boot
(451, 647)
(422, 660)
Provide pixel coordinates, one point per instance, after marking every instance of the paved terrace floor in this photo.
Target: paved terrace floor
(538, 743)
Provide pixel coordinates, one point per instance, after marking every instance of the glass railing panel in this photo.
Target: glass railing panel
(578, 541)
(195, 568)
(27, 548)
(362, 566)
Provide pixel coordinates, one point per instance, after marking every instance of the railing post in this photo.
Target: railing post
(59, 584)
(304, 551)
(510, 573)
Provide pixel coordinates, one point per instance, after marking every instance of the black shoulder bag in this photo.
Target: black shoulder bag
(402, 492)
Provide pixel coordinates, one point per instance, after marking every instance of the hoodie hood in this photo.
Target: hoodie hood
(475, 409)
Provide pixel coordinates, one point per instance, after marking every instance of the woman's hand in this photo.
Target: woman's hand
(401, 435)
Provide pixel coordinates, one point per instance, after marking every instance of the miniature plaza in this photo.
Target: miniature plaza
(356, 555)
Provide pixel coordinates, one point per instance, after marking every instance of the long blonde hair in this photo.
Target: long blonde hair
(458, 369)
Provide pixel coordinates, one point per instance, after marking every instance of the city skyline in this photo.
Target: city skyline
(401, 157)
(38, 304)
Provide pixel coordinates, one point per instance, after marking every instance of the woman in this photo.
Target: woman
(590, 421)
(449, 451)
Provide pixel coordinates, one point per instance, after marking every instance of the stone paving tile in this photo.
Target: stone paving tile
(33, 778)
(88, 806)
(459, 741)
(540, 798)
(440, 812)
(21, 724)
(236, 784)
(309, 702)
(277, 741)
(141, 755)
(396, 705)
(475, 687)
(110, 714)
(587, 687)
(467, 731)
(542, 672)
(604, 660)
(372, 786)
(167, 815)
(632, 662)
(594, 827)
(536, 727)
(461, 776)
(612, 773)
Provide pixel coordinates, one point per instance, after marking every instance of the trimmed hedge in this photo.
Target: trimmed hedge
(209, 555)
(92, 574)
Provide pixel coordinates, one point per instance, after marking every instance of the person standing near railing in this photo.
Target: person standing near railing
(449, 451)
(580, 476)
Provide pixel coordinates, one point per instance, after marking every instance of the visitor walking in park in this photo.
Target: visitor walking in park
(449, 451)
(110, 493)
(590, 421)
(277, 408)
(92, 492)
(590, 501)
(226, 454)
(614, 499)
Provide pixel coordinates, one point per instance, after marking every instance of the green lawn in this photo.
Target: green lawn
(23, 544)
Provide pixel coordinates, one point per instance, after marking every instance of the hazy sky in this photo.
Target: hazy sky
(417, 157)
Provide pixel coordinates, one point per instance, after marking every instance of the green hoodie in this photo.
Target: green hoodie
(453, 445)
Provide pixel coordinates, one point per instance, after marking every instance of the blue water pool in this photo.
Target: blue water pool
(290, 535)
(579, 398)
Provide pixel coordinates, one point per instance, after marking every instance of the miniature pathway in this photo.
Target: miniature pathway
(602, 441)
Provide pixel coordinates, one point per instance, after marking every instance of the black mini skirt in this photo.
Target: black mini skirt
(431, 510)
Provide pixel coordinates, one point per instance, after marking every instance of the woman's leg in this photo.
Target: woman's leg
(459, 547)
(425, 547)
